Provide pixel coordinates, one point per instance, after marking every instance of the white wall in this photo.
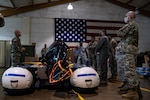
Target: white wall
(38, 26)
(42, 31)
(144, 35)
(7, 32)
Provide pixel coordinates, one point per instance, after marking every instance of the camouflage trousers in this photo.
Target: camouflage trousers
(126, 68)
(93, 62)
(113, 65)
(15, 59)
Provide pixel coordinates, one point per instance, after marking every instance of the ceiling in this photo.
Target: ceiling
(12, 7)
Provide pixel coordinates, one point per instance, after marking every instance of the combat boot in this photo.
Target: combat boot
(126, 87)
(132, 94)
(122, 84)
(139, 92)
(122, 92)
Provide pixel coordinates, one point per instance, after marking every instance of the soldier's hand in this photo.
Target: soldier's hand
(23, 49)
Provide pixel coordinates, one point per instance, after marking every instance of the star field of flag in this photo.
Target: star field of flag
(70, 30)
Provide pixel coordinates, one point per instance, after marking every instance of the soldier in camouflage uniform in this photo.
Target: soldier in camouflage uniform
(16, 49)
(91, 52)
(82, 55)
(112, 61)
(126, 53)
(44, 50)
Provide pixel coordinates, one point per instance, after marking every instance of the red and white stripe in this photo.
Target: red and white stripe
(94, 28)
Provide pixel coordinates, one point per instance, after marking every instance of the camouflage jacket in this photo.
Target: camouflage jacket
(129, 33)
(16, 45)
(129, 38)
(91, 48)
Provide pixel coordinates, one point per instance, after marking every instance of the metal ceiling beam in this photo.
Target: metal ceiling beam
(49, 1)
(129, 1)
(6, 7)
(130, 7)
(32, 2)
(13, 4)
(144, 12)
(122, 4)
(24, 9)
(146, 5)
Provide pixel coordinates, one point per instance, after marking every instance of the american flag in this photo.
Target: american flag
(70, 30)
(94, 27)
(76, 30)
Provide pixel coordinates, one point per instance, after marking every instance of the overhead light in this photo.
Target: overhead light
(70, 7)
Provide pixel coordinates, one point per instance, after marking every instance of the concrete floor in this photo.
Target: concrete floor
(103, 93)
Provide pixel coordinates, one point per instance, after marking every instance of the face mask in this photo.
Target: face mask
(126, 19)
